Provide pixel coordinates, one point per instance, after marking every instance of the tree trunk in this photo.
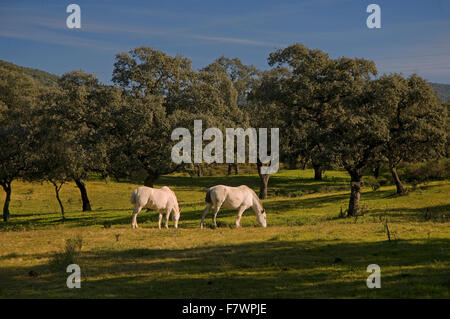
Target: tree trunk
(355, 194)
(264, 180)
(84, 195)
(199, 170)
(57, 189)
(7, 188)
(230, 167)
(318, 170)
(398, 183)
(151, 179)
(304, 162)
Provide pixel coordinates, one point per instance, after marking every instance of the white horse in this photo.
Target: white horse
(240, 198)
(162, 199)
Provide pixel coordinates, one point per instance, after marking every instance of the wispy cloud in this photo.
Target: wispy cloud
(235, 40)
(36, 24)
(57, 39)
(45, 24)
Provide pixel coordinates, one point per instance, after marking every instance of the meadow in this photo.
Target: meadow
(308, 249)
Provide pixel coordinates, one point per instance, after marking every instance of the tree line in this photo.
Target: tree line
(332, 113)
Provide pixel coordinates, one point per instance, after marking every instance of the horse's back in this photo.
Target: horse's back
(156, 198)
(216, 193)
(140, 194)
(230, 197)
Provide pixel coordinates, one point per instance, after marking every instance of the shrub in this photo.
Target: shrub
(70, 255)
(372, 182)
(385, 181)
(422, 172)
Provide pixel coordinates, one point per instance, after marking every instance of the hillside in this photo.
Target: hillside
(42, 77)
(443, 90)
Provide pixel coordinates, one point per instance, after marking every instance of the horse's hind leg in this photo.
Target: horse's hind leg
(136, 211)
(216, 210)
(205, 211)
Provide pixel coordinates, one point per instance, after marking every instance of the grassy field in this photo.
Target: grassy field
(307, 250)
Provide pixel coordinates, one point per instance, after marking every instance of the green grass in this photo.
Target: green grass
(294, 257)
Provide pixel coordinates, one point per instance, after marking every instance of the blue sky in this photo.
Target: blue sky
(414, 38)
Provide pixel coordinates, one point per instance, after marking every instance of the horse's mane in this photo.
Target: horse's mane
(255, 196)
(174, 196)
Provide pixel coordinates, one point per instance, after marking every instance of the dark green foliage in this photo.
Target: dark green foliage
(427, 171)
(415, 118)
(18, 100)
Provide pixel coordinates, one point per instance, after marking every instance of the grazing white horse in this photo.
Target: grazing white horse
(240, 198)
(162, 199)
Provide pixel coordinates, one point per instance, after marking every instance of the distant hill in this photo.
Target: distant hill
(443, 90)
(42, 77)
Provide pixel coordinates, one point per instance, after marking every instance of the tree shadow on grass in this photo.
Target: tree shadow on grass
(278, 185)
(436, 213)
(270, 269)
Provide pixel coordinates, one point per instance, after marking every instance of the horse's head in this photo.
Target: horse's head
(176, 217)
(262, 218)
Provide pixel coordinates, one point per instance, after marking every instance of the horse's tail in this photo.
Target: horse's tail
(208, 197)
(133, 197)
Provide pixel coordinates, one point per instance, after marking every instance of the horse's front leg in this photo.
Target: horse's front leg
(175, 219)
(167, 219)
(239, 215)
(205, 211)
(160, 218)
